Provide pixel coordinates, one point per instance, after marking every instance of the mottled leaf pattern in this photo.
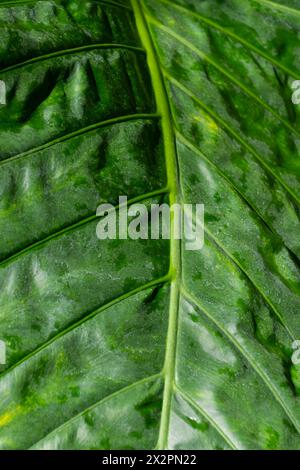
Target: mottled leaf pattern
(141, 344)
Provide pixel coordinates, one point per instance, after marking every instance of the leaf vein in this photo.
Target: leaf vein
(225, 31)
(231, 131)
(230, 77)
(73, 50)
(215, 425)
(90, 316)
(76, 226)
(99, 403)
(190, 298)
(82, 131)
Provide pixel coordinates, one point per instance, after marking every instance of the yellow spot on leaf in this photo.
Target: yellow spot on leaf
(206, 121)
(7, 417)
(212, 125)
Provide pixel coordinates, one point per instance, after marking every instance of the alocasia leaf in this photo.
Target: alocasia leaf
(132, 344)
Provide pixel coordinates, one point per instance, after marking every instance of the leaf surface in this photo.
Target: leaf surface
(133, 344)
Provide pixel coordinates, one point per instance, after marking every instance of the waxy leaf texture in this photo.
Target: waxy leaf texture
(141, 344)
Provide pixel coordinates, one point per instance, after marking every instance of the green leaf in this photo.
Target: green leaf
(142, 344)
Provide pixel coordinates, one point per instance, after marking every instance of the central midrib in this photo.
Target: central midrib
(175, 258)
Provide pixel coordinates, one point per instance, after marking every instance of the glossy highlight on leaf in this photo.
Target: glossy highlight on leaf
(142, 344)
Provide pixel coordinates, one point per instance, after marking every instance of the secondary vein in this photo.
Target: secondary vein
(204, 413)
(96, 405)
(77, 324)
(229, 129)
(88, 47)
(82, 131)
(233, 35)
(260, 372)
(77, 225)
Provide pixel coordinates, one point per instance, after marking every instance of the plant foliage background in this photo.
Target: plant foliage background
(141, 344)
